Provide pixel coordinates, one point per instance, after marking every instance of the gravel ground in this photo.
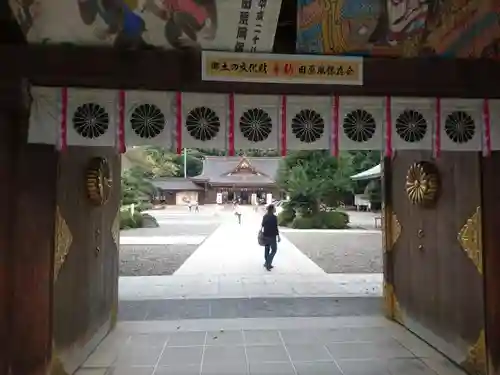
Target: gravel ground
(153, 260)
(174, 228)
(341, 252)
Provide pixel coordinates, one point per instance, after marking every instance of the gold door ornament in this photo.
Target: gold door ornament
(391, 228)
(475, 362)
(115, 229)
(392, 307)
(63, 240)
(422, 183)
(470, 238)
(99, 181)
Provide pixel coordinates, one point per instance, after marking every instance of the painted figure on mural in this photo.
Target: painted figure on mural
(405, 18)
(187, 22)
(336, 26)
(26, 13)
(121, 21)
(364, 26)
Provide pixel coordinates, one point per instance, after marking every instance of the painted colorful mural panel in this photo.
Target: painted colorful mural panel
(455, 28)
(230, 25)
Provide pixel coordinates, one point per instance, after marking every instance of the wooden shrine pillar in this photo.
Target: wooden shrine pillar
(491, 257)
(27, 204)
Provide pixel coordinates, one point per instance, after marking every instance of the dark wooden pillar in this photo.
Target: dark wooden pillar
(27, 191)
(491, 257)
(387, 230)
(7, 151)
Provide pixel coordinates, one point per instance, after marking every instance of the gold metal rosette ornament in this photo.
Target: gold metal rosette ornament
(422, 183)
(99, 181)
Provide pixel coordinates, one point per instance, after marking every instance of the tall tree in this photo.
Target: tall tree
(313, 177)
(160, 163)
(194, 163)
(135, 186)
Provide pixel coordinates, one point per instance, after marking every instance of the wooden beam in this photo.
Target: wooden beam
(60, 65)
(10, 31)
(490, 193)
(27, 245)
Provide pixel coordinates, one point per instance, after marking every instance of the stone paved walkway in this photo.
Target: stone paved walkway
(291, 346)
(233, 249)
(229, 264)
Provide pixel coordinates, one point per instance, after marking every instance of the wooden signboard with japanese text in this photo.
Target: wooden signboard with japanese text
(272, 68)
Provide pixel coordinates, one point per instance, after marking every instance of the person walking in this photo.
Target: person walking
(237, 212)
(271, 236)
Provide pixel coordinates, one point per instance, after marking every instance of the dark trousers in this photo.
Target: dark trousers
(270, 251)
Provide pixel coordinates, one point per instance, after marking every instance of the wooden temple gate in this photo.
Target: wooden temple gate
(433, 251)
(440, 253)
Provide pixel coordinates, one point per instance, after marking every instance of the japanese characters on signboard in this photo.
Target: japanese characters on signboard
(271, 68)
(250, 26)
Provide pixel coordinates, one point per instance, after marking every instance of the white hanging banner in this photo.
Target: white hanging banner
(361, 123)
(494, 109)
(461, 125)
(308, 122)
(204, 120)
(412, 123)
(92, 117)
(256, 121)
(150, 118)
(45, 115)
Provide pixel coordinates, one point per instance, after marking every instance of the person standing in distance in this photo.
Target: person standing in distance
(237, 212)
(271, 236)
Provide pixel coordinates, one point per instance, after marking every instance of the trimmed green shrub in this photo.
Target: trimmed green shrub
(303, 222)
(143, 206)
(334, 220)
(322, 220)
(128, 221)
(286, 216)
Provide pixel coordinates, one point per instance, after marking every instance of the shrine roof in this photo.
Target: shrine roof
(239, 170)
(175, 183)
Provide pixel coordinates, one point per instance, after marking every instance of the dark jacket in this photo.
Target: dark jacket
(270, 226)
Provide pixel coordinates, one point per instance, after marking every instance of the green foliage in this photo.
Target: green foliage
(135, 187)
(316, 178)
(361, 161)
(129, 220)
(322, 220)
(143, 206)
(249, 153)
(160, 163)
(194, 163)
(313, 177)
(374, 193)
(286, 216)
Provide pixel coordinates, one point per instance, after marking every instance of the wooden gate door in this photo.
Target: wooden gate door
(433, 252)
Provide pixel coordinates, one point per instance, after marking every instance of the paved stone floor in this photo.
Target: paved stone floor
(222, 313)
(161, 251)
(281, 346)
(228, 262)
(228, 308)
